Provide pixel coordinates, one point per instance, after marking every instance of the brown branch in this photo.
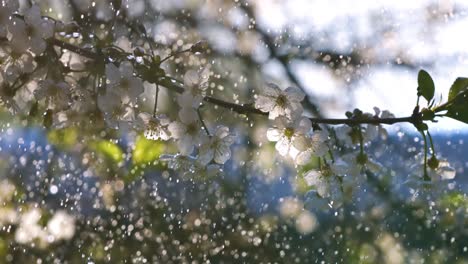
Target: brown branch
(248, 108)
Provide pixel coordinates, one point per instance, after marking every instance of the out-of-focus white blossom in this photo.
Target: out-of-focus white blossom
(325, 184)
(196, 85)
(190, 165)
(290, 207)
(306, 222)
(29, 230)
(121, 81)
(117, 113)
(33, 31)
(16, 61)
(314, 146)
(289, 134)
(155, 127)
(8, 216)
(350, 136)
(373, 131)
(55, 93)
(7, 189)
(279, 102)
(187, 131)
(6, 9)
(217, 147)
(61, 226)
(443, 172)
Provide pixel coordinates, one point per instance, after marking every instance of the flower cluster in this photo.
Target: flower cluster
(190, 132)
(291, 131)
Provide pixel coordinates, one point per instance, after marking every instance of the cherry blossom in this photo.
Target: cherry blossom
(323, 183)
(443, 172)
(121, 81)
(6, 95)
(61, 226)
(154, 127)
(217, 147)
(117, 113)
(279, 102)
(288, 134)
(187, 131)
(33, 31)
(6, 9)
(55, 93)
(196, 85)
(314, 145)
(17, 61)
(29, 230)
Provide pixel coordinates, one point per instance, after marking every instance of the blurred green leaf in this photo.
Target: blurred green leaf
(110, 150)
(454, 200)
(426, 86)
(65, 138)
(458, 86)
(146, 150)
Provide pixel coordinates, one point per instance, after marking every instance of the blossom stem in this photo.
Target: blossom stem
(361, 141)
(203, 122)
(426, 176)
(155, 109)
(431, 142)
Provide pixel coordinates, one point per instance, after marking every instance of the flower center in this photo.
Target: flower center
(31, 31)
(125, 83)
(289, 132)
(192, 129)
(281, 100)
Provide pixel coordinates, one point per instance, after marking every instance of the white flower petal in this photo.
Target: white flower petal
(294, 94)
(177, 129)
(303, 157)
(264, 103)
(186, 145)
(273, 134)
(222, 154)
(271, 90)
(188, 115)
(282, 146)
(191, 78)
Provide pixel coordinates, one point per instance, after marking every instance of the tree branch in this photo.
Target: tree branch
(248, 108)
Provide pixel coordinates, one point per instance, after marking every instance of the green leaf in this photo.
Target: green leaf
(458, 108)
(426, 86)
(460, 85)
(110, 150)
(146, 150)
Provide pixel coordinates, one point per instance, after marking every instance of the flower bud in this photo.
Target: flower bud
(433, 163)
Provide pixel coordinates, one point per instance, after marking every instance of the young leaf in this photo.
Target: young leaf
(458, 86)
(426, 86)
(147, 150)
(110, 150)
(458, 108)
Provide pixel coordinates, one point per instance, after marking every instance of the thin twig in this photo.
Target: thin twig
(203, 122)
